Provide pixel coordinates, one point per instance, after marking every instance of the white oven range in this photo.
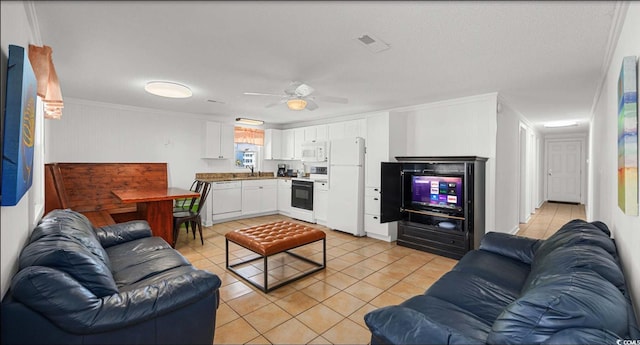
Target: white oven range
(302, 193)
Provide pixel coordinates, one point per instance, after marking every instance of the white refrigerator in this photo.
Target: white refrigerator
(346, 186)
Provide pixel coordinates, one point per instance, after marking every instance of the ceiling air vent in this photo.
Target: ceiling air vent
(373, 43)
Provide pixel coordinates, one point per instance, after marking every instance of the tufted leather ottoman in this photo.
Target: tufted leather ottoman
(271, 239)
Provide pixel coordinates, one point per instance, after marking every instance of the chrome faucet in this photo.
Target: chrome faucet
(250, 167)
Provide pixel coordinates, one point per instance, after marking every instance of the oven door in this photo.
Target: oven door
(302, 194)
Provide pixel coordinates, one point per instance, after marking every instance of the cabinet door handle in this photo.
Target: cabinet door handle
(375, 189)
(375, 217)
(375, 199)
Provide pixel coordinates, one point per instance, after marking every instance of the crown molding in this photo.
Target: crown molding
(153, 111)
(32, 18)
(619, 14)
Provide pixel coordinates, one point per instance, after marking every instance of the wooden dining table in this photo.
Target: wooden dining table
(156, 207)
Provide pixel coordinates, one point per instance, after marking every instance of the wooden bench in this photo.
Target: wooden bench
(271, 239)
(100, 218)
(86, 188)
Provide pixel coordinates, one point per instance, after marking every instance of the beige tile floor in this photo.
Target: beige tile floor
(549, 218)
(328, 307)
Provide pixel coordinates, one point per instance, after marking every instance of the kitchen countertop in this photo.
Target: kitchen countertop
(219, 177)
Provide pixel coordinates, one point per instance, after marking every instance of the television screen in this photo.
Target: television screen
(437, 191)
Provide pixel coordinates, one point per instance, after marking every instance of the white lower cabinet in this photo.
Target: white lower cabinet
(382, 231)
(284, 197)
(259, 196)
(320, 201)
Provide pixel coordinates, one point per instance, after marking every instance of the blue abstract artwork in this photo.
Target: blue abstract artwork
(19, 127)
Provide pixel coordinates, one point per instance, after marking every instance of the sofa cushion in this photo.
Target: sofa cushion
(579, 299)
(140, 259)
(472, 293)
(69, 256)
(158, 278)
(502, 271)
(566, 259)
(426, 320)
(73, 225)
(577, 232)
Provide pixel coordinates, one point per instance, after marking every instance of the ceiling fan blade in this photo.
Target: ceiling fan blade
(303, 90)
(291, 89)
(311, 105)
(332, 99)
(262, 94)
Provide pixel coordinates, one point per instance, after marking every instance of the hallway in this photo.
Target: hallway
(549, 218)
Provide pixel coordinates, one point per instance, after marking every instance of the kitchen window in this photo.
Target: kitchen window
(248, 146)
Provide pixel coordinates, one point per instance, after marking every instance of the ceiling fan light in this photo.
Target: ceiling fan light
(296, 104)
(168, 89)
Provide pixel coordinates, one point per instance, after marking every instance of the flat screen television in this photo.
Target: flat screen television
(443, 193)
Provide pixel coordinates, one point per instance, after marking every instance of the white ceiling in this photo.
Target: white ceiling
(545, 59)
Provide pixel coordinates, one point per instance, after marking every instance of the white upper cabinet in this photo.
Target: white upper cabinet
(355, 128)
(218, 141)
(347, 129)
(377, 148)
(310, 133)
(322, 133)
(298, 139)
(386, 132)
(287, 144)
(336, 130)
(272, 144)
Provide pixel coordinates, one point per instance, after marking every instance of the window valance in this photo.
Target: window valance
(249, 136)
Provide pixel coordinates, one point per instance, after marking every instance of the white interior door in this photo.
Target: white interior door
(564, 171)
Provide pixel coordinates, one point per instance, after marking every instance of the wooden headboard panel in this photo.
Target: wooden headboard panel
(86, 187)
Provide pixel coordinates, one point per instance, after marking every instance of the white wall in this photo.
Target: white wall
(459, 127)
(603, 201)
(102, 132)
(507, 170)
(17, 221)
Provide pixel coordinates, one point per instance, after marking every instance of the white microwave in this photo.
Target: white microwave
(314, 151)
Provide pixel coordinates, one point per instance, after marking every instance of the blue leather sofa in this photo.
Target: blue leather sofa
(568, 289)
(117, 284)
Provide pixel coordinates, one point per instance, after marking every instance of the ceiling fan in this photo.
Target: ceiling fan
(298, 96)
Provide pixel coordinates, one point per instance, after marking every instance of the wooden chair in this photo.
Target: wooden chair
(191, 216)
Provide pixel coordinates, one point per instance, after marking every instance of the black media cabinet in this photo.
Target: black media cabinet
(450, 230)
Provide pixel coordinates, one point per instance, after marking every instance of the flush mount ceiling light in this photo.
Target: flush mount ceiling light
(249, 121)
(560, 124)
(296, 104)
(168, 89)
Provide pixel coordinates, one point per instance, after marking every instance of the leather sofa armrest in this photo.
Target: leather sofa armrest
(401, 325)
(516, 247)
(110, 235)
(73, 308)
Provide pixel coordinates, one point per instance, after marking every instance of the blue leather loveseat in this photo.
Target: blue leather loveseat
(117, 284)
(568, 289)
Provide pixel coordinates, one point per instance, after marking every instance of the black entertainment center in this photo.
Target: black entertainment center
(439, 202)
